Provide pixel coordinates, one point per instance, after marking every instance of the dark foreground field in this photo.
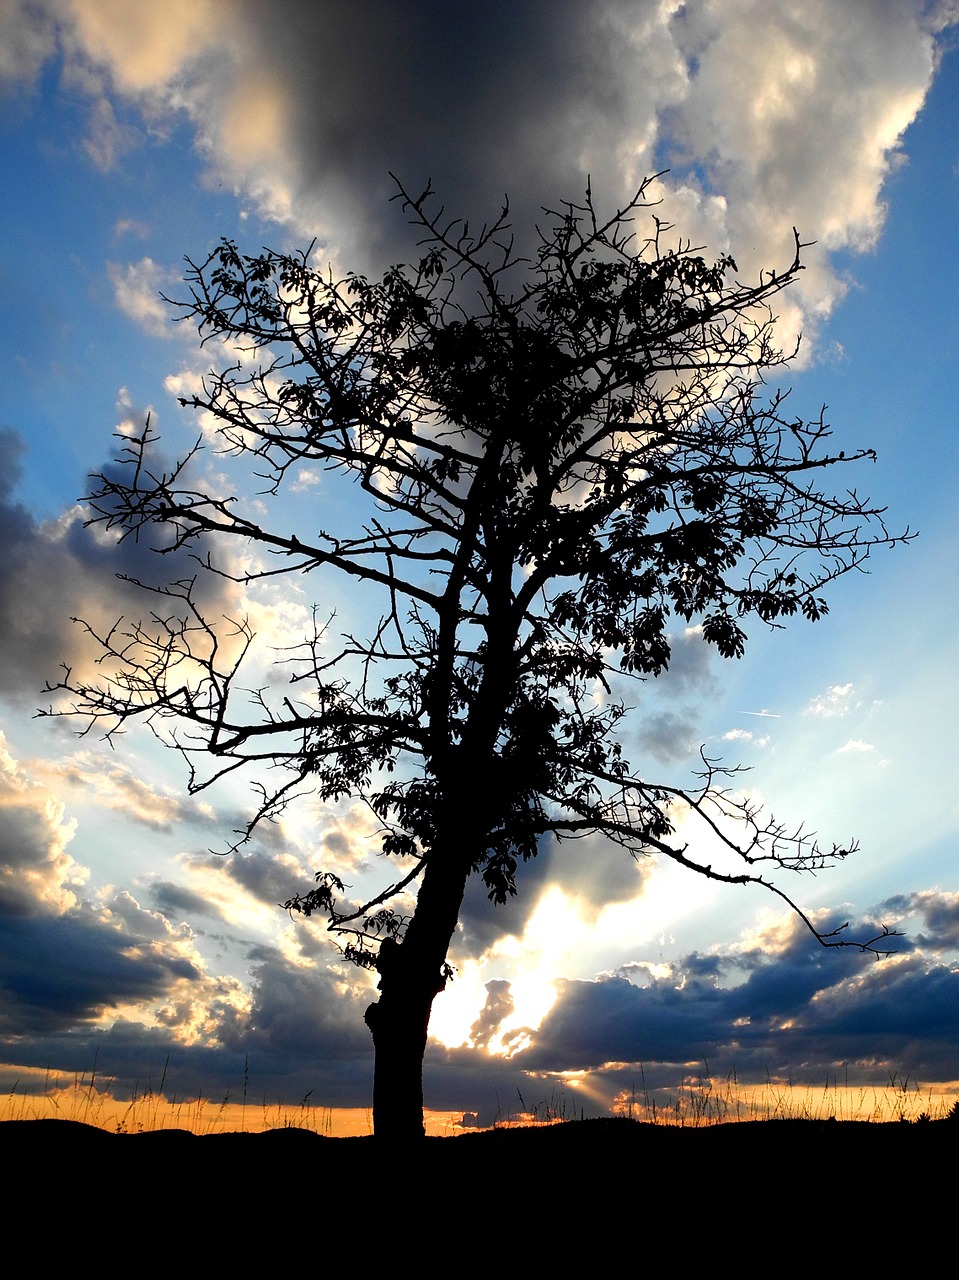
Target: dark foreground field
(573, 1199)
(551, 1148)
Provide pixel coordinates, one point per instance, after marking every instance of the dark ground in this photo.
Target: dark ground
(817, 1140)
(563, 1201)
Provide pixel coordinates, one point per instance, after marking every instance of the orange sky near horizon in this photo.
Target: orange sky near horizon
(696, 1100)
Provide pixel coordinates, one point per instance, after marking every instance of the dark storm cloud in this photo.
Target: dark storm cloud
(801, 1012)
(304, 106)
(54, 571)
(669, 736)
(65, 959)
(302, 1035)
(504, 97)
(301, 1038)
(175, 902)
(68, 958)
(939, 912)
(41, 991)
(269, 879)
(307, 1014)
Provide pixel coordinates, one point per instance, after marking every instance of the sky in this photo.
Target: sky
(133, 135)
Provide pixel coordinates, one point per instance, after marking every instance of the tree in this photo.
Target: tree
(559, 455)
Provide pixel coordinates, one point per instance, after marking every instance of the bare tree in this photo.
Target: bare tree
(558, 455)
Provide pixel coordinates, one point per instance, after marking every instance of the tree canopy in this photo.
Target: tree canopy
(560, 456)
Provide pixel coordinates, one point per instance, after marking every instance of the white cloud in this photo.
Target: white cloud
(855, 745)
(131, 227)
(145, 47)
(836, 701)
(798, 115)
(744, 735)
(186, 383)
(107, 138)
(116, 787)
(36, 872)
(136, 289)
(307, 478)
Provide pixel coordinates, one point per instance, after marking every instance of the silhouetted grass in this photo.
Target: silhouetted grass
(88, 1099)
(703, 1099)
(698, 1101)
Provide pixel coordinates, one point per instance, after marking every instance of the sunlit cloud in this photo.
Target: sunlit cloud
(278, 100)
(137, 289)
(838, 700)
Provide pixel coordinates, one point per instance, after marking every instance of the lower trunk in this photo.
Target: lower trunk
(399, 1026)
(412, 973)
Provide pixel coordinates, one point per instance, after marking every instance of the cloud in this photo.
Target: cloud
(144, 49)
(855, 75)
(27, 40)
(669, 736)
(671, 730)
(136, 289)
(306, 109)
(307, 479)
(56, 570)
(939, 911)
(176, 902)
(691, 664)
(310, 1015)
(499, 1005)
(37, 874)
(738, 735)
(83, 973)
(107, 138)
(268, 876)
(801, 1013)
(856, 746)
(836, 701)
(131, 227)
(116, 787)
(137, 991)
(593, 871)
(70, 959)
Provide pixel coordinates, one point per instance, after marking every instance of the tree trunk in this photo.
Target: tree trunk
(399, 1022)
(412, 973)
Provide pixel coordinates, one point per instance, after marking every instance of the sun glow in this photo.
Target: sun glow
(555, 933)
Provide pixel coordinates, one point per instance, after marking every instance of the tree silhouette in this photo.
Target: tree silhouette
(556, 456)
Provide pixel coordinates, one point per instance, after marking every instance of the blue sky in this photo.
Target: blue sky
(130, 138)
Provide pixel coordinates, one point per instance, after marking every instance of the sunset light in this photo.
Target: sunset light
(162, 960)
